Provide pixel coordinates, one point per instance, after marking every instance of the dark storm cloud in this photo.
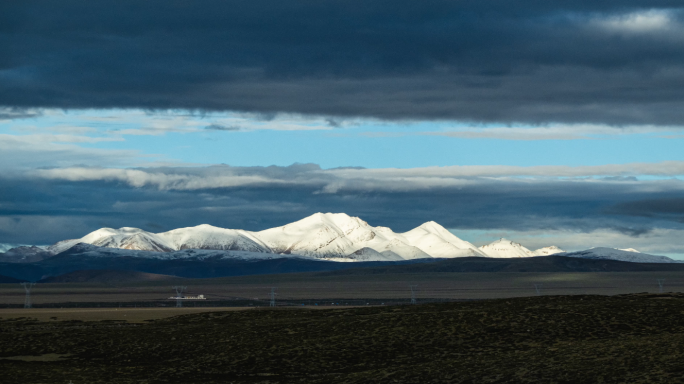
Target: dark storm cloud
(671, 208)
(18, 113)
(43, 208)
(488, 60)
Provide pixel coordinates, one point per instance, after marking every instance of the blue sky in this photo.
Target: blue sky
(112, 140)
(177, 137)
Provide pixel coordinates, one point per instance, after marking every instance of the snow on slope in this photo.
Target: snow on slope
(368, 254)
(329, 236)
(436, 241)
(506, 249)
(83, 249)
(322, 235)
(4, 247)
(337, 235)
(617, 254)
(546, 251)
(209, 237)
(123, 238)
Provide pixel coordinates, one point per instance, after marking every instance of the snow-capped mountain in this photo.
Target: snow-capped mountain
(123, 238)
(89, 250)
(435, 240)
(322, 235)
(618, 254)
(4, 247)
(338, 235)
(547, 251)
(328, 236)
(25, 254)
(210, 237)
(506, 249)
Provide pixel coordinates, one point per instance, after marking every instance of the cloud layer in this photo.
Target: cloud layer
(254, 198)
(610, 62)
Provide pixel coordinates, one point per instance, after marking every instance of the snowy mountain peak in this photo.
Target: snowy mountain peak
(330, 236)
(618, 254)
(628, 250)
(432, 226)
(546, 251)
(130, 230)
(506, 249)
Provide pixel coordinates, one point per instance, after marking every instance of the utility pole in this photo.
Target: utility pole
(537, 288)
(413, 293)
(27, 287)
(179, 294)
(272, 304)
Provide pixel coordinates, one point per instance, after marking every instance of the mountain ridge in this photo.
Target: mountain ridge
(327, 236)
(323, 236)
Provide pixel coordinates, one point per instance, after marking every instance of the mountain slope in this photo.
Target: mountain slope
(123, 238)
(25, 254)
(601, 253)
(326, 236)
(10, 280)
(330, 236)
(186, 263)
(209, 237)
(105, 276)
(547, 251)
(503, 248)
(545, 264)
(319, 235)
(436, 241)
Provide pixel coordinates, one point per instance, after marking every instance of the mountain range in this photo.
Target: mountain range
(328, 236)
(322, 236)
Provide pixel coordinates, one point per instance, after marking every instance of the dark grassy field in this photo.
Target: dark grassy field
(552, 339)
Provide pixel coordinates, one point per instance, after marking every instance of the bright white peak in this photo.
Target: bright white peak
(546, 251)
(506, 249)
(435, 240)
(628, 250)
(322, 235)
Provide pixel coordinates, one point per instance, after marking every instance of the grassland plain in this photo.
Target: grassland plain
(321, 286)
(549, 339)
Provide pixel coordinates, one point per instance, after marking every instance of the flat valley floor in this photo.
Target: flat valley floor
(322, 288)
(636, 338)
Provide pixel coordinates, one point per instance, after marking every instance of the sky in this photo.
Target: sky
(548, 123)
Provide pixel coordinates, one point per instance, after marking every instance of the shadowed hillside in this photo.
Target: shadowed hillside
(530, 264)
(105, 276)
(9, 280)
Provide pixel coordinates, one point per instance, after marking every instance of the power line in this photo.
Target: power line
(179, 294)
(272, 294)
(27, 287)
(413, 293)
(537, 288)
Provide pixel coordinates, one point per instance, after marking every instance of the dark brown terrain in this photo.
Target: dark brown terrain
(555, 339)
